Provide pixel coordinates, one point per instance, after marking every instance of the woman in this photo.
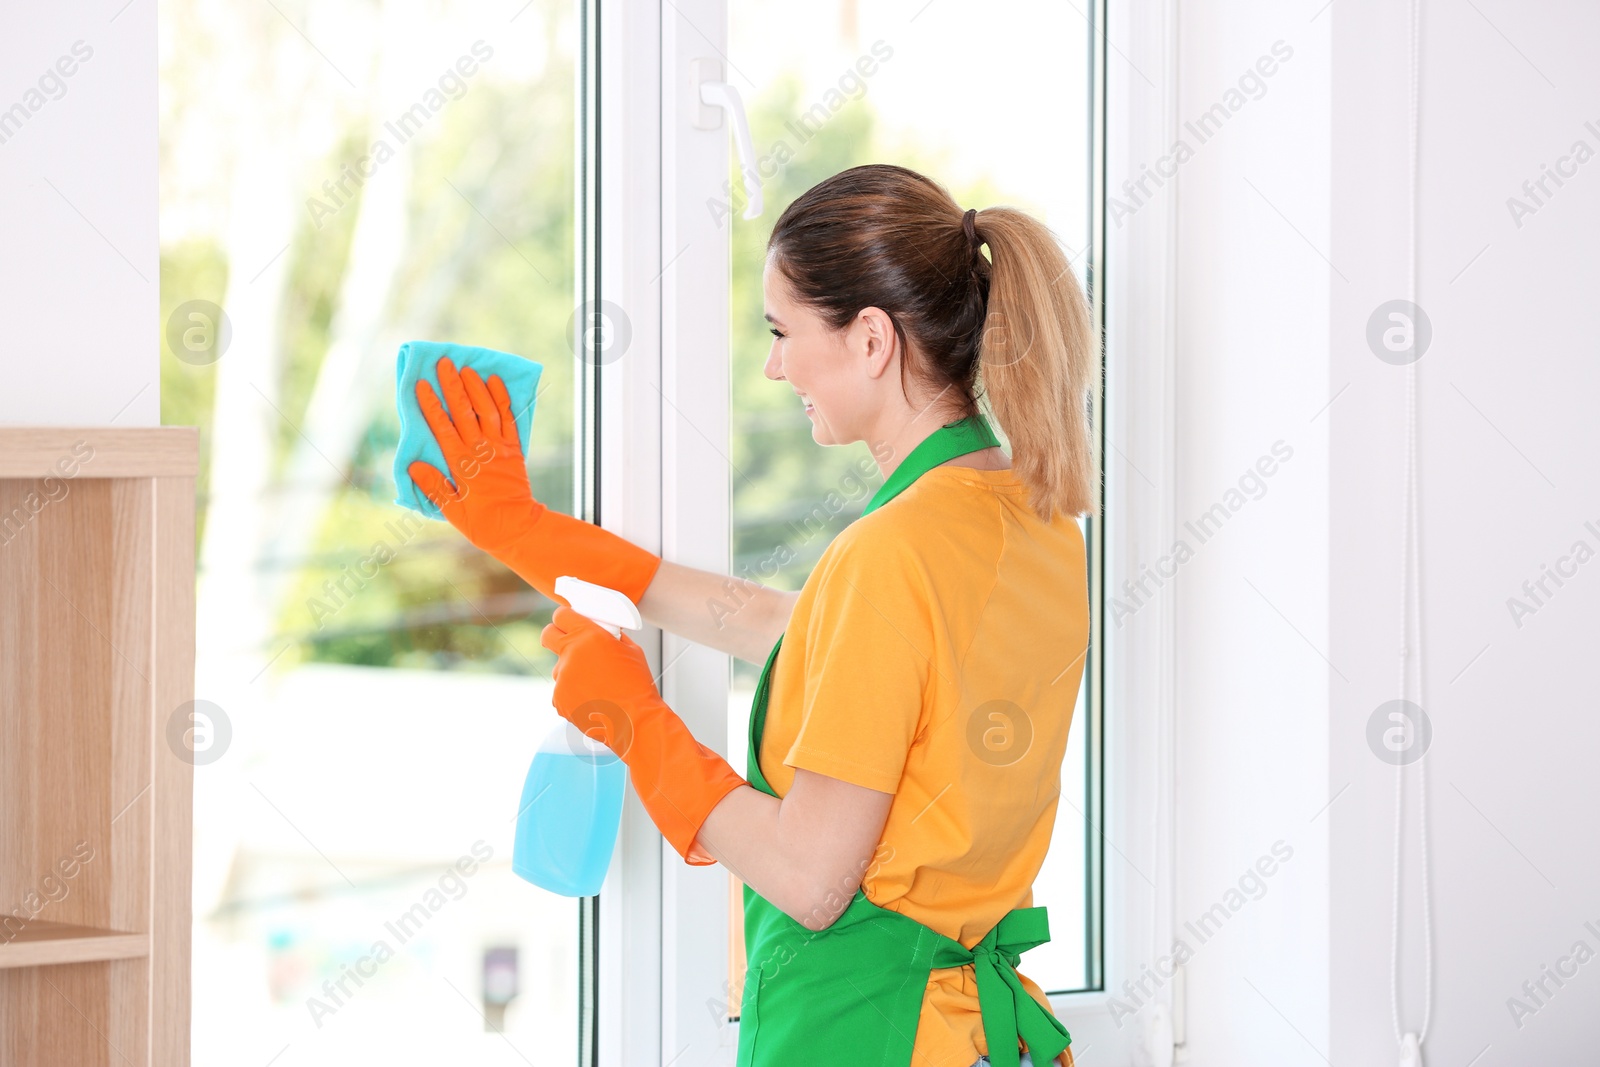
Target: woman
(905, 747)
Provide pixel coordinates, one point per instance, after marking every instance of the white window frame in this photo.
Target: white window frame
(628, 241)
(1135, 47)
(663, 941)
(664, 420)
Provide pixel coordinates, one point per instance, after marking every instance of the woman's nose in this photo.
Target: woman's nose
(774, 368)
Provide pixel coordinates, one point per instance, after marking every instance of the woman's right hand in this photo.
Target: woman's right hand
(490, 500)
(492, 505)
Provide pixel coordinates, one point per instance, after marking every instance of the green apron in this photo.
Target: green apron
(852, 994)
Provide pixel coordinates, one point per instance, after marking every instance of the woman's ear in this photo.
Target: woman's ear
(874, 340)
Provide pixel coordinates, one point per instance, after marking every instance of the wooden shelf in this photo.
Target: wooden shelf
(96, 671)
(135, 452)
(45, 944)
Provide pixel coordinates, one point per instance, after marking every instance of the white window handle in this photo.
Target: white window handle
(719, 94)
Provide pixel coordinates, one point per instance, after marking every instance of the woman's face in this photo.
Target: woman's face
(837, 374)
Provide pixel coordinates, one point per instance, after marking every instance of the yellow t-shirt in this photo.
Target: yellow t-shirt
(935, 653)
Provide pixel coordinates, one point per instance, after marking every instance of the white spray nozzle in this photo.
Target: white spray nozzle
(611, 609)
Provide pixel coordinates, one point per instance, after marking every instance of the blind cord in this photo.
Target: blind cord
(1411, 652)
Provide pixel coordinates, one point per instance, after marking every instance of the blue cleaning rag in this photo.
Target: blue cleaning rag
(419, 361)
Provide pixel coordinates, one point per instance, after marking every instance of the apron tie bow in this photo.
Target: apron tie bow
(1008, 1010)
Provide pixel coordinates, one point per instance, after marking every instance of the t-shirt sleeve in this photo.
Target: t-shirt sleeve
(869, 645)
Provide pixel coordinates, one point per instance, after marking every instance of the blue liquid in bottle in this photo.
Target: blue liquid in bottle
(570, 810)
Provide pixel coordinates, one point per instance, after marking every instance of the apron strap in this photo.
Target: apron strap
(971, 434)
(1009, 1011)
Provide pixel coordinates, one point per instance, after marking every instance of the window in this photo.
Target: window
(386, 173)
(378, 705)
(860, 81)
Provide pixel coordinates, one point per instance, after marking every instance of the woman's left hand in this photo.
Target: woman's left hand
(601, 682)
(604, 687)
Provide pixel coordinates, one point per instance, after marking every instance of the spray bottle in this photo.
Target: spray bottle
(572, 798)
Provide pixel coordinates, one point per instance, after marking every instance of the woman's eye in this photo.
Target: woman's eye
(774, 331)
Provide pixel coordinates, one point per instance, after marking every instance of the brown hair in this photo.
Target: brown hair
(886, 237)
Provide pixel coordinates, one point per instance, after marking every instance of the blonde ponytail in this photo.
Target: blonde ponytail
(1037, 360)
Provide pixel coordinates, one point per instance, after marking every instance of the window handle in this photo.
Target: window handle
(715, 97)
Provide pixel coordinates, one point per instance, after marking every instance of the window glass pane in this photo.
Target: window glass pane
(996, 115)
(339, 178)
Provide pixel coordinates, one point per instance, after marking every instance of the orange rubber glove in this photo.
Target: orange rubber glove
(492, 504)
(604, 688)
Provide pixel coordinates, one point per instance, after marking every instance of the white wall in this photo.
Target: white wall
(1507, 397)
(79, 260)
(1292, 229)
